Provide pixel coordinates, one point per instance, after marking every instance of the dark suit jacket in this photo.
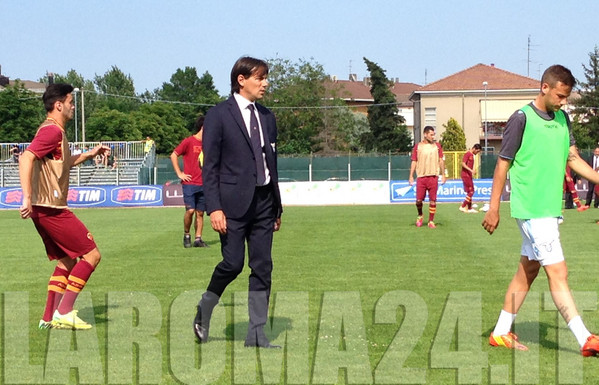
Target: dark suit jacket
(229, 170)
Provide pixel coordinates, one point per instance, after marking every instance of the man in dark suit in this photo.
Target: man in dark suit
(242, 195)
(593, 161)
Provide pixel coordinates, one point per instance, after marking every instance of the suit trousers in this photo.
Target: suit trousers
(256, 228)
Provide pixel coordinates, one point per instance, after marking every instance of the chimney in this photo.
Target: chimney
(492, 64)
(367, 82)
(353, 77)
(50, 78)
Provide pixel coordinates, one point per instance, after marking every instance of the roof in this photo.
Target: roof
(29, 85)
(360, 90)
(472, 79)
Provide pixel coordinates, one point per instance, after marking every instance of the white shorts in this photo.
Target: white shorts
(540, 240)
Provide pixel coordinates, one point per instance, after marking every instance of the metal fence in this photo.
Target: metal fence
(133, 164)
(351, 167)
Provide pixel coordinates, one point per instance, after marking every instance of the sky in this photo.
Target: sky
(417, 41)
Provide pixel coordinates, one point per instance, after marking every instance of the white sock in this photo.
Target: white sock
(580, 331)
(504, 323)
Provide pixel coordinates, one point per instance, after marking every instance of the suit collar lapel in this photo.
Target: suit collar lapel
(236, 113)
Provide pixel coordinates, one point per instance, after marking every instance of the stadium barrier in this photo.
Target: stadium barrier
(322, 193)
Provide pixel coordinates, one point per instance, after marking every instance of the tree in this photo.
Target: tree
(387, 129)
(301, 86)
(117, 91)
(453, 139)
(109, 124)
(192, 95)
(21, 113)
(587, 107)
(162, 123)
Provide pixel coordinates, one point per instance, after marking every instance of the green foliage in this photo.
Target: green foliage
(117, 91)
(194, 95)
(299, 85)
(587, 107)
(582, 137)
(453, 139)
(163, 123)
(387, 129)
(110, 124)
(21, 113)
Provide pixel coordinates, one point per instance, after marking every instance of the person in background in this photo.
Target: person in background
(467, 175)
(428, 162)
(191, 179)
(593, 161)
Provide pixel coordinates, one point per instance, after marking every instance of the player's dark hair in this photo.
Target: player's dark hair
(56, 92)
(558, 73)
(247, 66)
(199, 123)
(428, 128)
(477, 147)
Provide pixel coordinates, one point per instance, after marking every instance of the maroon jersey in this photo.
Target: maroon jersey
(190, 149)
(469, 160)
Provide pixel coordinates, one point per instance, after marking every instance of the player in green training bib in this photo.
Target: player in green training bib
(537, 145)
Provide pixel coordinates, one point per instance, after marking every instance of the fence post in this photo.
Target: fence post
(310, 168)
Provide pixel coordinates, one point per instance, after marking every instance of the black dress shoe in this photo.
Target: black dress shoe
(200, 330)
(262, 344)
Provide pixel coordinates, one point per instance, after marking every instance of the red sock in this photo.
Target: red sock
(56, 288)
(431, 212)
(77, 280)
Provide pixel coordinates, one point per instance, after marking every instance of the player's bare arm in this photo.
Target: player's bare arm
(180, 174)
(491, 219)
(98, 150)
(580, 167)
(412, 169)
(25, 169)
(442, 170)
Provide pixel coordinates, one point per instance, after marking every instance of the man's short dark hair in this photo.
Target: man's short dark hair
(56, 93)
(247, 66)
(558, 73)
(428, 128)
(477, 147)
(199, 123)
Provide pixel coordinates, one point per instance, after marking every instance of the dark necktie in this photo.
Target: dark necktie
(257, 147)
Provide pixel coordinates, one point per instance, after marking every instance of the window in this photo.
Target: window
(430, 116)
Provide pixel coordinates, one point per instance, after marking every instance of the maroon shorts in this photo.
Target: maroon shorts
(424, 184)
(468, 184)
(64, 235)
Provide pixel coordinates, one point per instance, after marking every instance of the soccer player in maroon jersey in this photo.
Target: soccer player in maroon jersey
(191, 179)
(428, 162)
(467, 171)
(44, 170)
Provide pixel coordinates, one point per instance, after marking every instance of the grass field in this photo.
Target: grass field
(360, 295)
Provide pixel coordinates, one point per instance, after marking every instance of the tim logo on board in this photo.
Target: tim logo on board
(137, 196)
(11, 198)
(86, 196)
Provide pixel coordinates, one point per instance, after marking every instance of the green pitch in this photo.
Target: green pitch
(360, 295)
